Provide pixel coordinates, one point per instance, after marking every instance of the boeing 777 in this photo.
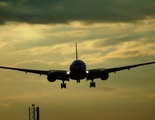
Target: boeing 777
(77, 71)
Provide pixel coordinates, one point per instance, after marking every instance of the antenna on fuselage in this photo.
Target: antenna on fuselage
(76, 50)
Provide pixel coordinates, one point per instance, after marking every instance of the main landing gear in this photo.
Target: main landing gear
(63, 84)
(92, 84)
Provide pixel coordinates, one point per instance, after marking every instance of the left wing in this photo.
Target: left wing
(60, 74)
(94, 73)
(109, 70)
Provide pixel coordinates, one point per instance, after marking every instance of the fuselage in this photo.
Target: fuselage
(77, 70)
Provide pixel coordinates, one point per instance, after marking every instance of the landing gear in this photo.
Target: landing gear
(92, 84)
(63, 85)
(78, 81)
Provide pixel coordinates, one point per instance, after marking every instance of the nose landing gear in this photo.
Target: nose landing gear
(78, 81)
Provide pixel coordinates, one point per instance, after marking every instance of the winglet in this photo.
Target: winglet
(76, 50)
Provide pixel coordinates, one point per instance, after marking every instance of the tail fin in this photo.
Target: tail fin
(76, 50)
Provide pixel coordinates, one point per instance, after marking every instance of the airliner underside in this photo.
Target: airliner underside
(77, 72)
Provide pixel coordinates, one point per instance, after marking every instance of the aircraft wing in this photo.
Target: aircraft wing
(60, 74)
(109, 70)
(95, 72)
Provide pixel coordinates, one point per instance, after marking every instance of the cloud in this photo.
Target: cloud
(110, 89)
(3, 4)
(149, 96)
(56, 43)
(64, 12)
(6, 104)
(132, 49)
(62, 49)
(26, 96)
(40, 64)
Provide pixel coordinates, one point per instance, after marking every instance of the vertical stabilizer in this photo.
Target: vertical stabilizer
(76, 50)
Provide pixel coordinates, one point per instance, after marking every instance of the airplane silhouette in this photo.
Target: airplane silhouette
(77, 71)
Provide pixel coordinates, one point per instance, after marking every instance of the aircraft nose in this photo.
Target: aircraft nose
(77, 68)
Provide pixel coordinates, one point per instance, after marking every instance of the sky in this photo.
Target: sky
(41, 34)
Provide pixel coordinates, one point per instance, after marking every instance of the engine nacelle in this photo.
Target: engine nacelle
(51, 77)
(104, 75)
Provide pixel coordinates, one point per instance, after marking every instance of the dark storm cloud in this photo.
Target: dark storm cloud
(63, 11)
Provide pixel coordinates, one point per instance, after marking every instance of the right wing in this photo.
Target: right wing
(60, 74)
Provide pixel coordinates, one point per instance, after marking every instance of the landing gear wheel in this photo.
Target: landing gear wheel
(63, 85)
(78, 81)
(92, 84)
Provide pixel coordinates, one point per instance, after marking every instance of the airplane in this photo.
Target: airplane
(77, 71)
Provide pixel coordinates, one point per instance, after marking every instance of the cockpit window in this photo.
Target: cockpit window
(77, 62)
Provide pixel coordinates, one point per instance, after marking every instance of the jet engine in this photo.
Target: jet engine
(104, 75)
(51, 77)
